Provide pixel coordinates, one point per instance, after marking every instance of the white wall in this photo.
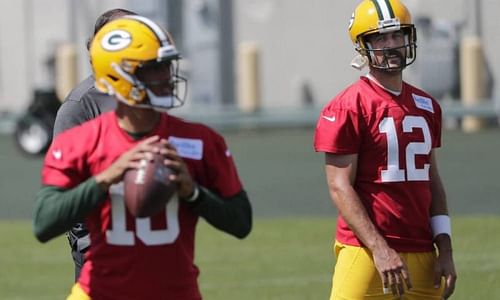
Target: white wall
(15, 73)
(30, 30)
(309, 40)
(299, 41)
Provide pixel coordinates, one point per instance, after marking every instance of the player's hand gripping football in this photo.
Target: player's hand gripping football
(128, 160)
(181, 175)
(392, 270)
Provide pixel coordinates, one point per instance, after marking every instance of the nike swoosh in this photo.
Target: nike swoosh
(57, 154)
(331, 119)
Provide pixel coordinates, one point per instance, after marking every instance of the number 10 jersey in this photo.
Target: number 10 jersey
(139, 258)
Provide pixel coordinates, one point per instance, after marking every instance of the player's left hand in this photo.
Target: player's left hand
(445, 267)
(185, 183)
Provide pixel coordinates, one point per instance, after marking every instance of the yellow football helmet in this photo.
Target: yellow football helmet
(123, 47)
(378, 17)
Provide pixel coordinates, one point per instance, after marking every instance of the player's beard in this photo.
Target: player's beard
(393, 60)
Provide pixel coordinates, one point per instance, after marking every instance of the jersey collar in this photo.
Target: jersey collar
(395, 93)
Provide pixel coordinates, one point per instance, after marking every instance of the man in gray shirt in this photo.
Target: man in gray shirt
(85, 103)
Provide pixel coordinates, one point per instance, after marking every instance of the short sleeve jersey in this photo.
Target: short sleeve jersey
(139, 258)
(393, 137)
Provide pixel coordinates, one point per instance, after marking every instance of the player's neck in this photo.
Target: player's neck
(136, 120)
(390, 80)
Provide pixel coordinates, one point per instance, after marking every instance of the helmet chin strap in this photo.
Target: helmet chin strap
(359, 62)
(161, 103)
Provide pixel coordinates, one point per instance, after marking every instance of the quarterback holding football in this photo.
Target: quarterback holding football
(142, 247)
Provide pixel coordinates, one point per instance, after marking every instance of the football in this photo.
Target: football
(148, 189)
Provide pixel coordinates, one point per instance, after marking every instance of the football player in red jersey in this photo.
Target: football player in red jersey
(379, 137)
(138, 258)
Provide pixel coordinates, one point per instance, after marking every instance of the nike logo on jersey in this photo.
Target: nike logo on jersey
(423, 103)
(330, 119)
(57, 154)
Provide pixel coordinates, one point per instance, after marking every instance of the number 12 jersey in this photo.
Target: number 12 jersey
(393, 136)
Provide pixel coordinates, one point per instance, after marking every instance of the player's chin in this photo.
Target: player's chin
(395, 69)
(394, 63)
(394, 66)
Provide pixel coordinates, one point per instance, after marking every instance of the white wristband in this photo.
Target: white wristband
(194, 196)
(440, 224)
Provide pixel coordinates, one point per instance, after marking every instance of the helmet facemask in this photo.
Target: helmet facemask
(406, 57)
(166, 91)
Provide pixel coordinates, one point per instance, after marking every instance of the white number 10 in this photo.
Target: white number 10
(394, 173)
(119, 235)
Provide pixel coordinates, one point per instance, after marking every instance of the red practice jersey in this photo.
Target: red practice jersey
(143, 258)
(393, 137)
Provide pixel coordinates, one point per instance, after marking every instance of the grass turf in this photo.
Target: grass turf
(283, 258)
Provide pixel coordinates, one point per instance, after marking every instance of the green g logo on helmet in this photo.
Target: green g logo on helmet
(116, 40)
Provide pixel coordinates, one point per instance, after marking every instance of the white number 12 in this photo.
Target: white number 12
(394, 173)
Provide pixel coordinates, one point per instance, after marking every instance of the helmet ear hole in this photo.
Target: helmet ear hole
(361, 47)
(362, 51)
(113, 78)
(136, 94)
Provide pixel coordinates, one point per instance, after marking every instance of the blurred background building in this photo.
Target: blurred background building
(284, 56)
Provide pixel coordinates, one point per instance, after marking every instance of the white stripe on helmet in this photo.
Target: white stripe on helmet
(154, 27)
(384, 9)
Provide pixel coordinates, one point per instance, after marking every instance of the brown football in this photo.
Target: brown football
(148, 188)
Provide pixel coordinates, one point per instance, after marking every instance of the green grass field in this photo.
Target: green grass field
(288, 255)
(283, 258)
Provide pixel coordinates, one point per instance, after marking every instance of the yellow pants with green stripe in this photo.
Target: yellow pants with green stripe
(355, 276)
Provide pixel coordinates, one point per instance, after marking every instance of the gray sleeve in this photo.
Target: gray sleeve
(70, 114)
(83, 103)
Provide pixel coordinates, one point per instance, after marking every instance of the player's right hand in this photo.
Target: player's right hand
(128, 160)
(392, 270)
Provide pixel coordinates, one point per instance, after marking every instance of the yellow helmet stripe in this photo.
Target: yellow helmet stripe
(384, 9)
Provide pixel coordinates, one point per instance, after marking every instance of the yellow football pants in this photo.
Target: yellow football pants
(356, 278)
(78, 294)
